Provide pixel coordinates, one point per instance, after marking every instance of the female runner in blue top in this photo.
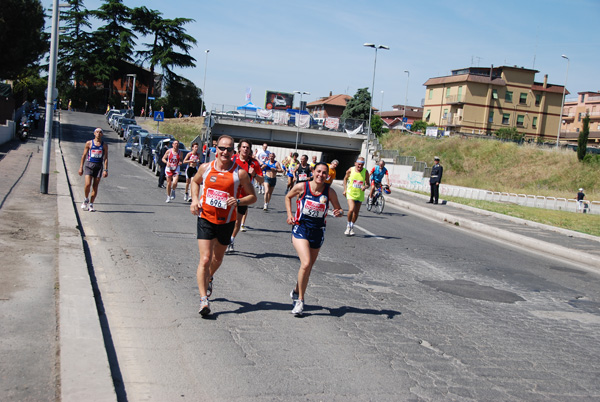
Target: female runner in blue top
(308, 232)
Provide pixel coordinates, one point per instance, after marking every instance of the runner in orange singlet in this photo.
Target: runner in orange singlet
(222, 183)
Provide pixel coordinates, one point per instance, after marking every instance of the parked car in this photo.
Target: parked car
(149, 148)
(136, 146)
(123, 124)
(129, 129)
(125, 112)
(130, 139)
(115, 121)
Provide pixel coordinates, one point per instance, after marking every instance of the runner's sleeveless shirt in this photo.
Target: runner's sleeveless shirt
(311, 209)
(96, 152)
(217, 186)
(355, 182)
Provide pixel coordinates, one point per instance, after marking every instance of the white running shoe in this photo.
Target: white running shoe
(347, 232)
(230, 248)
(85, 203)
(172, 194)
(351, 231)
(204, 307)
(242, 228)
(266, 207)
(298, 308)
(168, 199)
(185, 197)
(91, 207)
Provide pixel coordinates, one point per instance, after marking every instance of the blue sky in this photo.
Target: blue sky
(317, 46)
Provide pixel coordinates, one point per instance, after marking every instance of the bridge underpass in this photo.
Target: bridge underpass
(333, 145)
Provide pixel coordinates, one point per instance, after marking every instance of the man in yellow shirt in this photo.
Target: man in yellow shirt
(355, 182)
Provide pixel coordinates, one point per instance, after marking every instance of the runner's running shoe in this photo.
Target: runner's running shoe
(242, 228)
(91, 207)
(230, 248)
(351, 231)
(294, 296)
(347, 232)
(172, 194)
(85, 203)
(298, 308)
(168, 199)
(204, 307)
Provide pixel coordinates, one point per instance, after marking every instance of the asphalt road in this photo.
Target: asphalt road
(408, 309)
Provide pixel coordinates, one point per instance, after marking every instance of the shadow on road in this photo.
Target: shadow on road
(309, 310)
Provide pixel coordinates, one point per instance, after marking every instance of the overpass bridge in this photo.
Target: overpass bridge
(333, 144)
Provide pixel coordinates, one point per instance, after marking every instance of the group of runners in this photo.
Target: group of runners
(221, 191)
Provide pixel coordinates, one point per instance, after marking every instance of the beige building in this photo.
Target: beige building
(586, 103)
(481, 100)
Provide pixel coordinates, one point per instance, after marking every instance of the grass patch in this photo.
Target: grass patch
(184, 129)
(503, 166)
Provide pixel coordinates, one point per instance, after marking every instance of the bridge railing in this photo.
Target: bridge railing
(285, 118)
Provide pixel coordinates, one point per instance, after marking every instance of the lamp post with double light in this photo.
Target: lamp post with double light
(132, 101)
(298, 116)
(376, 47)
(562, 104)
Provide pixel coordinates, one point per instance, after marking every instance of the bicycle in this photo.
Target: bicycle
(378, 200)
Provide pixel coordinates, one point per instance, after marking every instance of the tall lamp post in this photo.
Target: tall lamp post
(132, 101)
(203, 102)
(405, 100)
(298, 116)
(50, 95)
(563, 101)
(381, 102)
(376, 47)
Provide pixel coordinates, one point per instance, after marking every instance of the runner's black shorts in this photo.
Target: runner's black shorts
(93, 169)
(241, 209)
(207, 231)
(190, 172)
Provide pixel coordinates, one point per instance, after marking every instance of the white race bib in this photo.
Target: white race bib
(314, 209)
(96, 153)
(357, 184)
(216, 198)
(302, 177)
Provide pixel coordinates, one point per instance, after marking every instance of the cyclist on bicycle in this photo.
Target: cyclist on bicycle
(378, 173)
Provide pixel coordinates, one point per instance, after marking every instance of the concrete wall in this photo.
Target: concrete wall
(7, 131)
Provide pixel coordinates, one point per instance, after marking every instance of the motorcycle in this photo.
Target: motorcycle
(24, 130)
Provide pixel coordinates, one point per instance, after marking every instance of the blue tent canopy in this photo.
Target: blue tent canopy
(248, 106)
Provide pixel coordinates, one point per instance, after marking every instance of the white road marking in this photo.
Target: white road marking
(369, 233)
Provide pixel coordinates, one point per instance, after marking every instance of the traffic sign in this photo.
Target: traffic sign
(159, 116)
(404, 119)
(408, 126)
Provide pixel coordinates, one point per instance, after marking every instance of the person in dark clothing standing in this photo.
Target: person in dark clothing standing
(434, 181)
(161, 164)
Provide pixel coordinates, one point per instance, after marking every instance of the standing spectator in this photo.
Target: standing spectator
(581, 202)
(142, 112)
(434, 181)
(332, 171)
(161, 164)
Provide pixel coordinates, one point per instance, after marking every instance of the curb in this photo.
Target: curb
(84, 368)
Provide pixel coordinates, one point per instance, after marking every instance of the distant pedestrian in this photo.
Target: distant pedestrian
(434, 181)
(161, 165)
(69, 105)
(581, 201)
(95, 154)
(142, 112)
(332, 171)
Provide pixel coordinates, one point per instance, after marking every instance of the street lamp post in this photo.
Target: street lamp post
(376, 47)
(132, 101)
(50, 94)
(203, 101)
(562, 104)
(298, 116)
(381, 103)
(405, 100)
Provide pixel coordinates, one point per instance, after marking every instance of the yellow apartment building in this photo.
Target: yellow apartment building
(481, 100)
(586, 103)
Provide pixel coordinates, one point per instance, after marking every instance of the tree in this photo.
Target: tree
(112, 42)
(419, 126)
(377, 126)
(22, 38)
(74, 50)
(509, 133)
(169, 36)
(583, 138)
(184, 96)
(358, 107)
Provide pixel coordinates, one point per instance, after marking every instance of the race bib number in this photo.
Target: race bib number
(358, 184)
(302, 177)
(217, 198)
(96, 153)
(314, 209)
